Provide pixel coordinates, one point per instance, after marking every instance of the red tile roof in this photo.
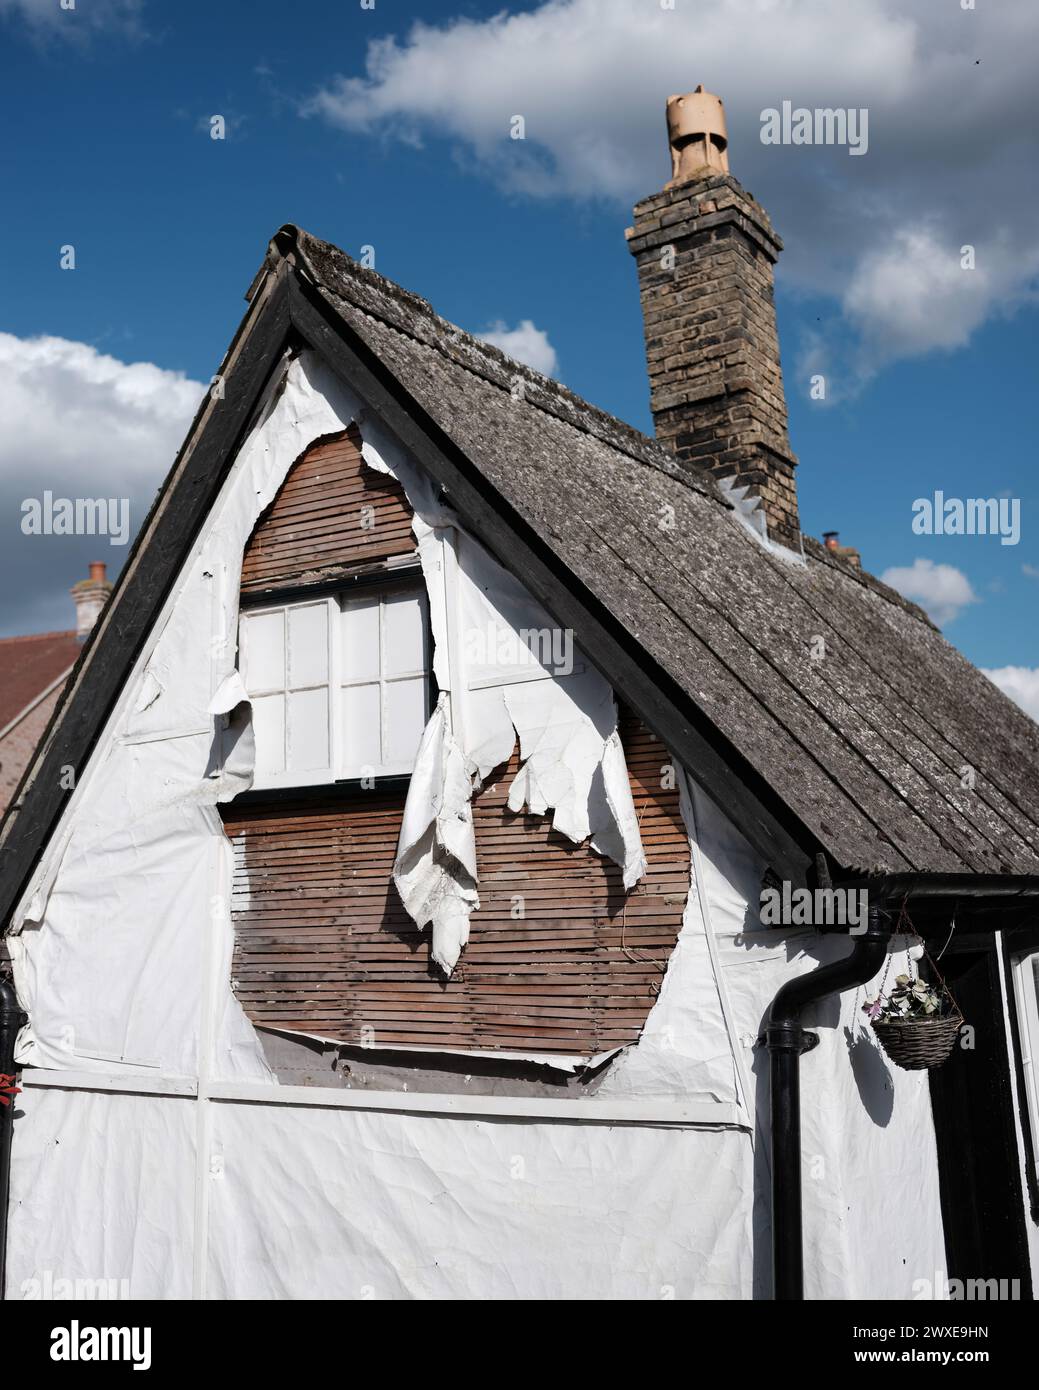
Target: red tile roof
(28, 665)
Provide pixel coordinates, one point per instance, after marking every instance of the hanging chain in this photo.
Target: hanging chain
(902, 915)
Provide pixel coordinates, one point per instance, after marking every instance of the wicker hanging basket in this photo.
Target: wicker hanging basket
(915, 1044)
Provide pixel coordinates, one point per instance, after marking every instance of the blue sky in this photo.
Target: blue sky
(360, 129)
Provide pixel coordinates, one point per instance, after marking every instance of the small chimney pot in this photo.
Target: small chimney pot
(697, 136)
(90, 595)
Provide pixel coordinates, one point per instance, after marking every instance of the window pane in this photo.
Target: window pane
(361, 739)
(404, 624)
(264, 651)
(360, 630)
(308, 730)
(405, 719)
(269, 731)
(308, 645)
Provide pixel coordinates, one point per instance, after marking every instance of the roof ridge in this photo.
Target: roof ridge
(571, 408)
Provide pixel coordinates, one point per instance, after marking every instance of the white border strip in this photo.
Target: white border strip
(707, 1114)
(686, 1114)
(124, 1083)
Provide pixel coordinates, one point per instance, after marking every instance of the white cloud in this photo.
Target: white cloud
(81, 424)
(590, 77)
(1032, 571)
(1021, 683)
(912, 294)
(526, 343)
(879, 233)
(942, 591)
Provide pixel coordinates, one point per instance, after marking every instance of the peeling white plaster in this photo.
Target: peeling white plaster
(573, 763)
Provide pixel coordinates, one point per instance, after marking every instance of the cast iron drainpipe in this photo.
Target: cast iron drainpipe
(11, 1019)
(786, 1038)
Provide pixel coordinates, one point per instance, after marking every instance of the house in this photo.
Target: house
(398, 931)
(33, 670)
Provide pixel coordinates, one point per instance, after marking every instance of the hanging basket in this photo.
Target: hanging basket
(916, 1043)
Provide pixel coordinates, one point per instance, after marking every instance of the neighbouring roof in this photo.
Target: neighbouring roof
(29, 666)
(869, 744)
(836, 700)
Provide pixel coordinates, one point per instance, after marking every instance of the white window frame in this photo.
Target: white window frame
(355, 600)
(292, 777)
(334, 604)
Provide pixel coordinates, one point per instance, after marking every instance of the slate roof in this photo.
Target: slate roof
(870, 744)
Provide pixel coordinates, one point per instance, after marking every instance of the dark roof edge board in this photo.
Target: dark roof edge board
(164, 540)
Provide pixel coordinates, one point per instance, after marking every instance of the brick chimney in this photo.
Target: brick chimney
(90, 596)
(705, 252)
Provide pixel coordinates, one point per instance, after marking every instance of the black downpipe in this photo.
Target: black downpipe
(786, 1038)
(12, 1017)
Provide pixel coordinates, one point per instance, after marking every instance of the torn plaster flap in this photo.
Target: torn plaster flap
(229, 694)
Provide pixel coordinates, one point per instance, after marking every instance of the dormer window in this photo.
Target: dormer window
(340, 685)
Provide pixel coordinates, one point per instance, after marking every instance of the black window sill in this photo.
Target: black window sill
(350, 789)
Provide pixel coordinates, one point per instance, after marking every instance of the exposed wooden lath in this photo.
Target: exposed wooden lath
(322, 942)
(332, 514)
(324, 946)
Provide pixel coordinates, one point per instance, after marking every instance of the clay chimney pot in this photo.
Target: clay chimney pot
(697, 136)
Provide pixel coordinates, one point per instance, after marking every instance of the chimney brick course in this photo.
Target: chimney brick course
(705, 252)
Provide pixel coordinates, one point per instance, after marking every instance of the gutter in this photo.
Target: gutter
(891, 888)
(786, 1038)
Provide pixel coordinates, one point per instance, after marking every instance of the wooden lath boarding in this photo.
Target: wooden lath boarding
(323, 944)
(331, 515)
